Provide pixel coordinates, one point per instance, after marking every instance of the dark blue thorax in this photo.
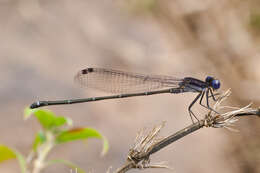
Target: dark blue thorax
(195, 85)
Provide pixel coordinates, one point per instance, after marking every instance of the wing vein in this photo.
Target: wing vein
(115, 81)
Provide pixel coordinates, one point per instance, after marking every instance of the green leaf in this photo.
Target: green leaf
(39, 139)
(67, 163)
(60, 121)
(7, 153)
(81, 134)
(77, 134)
(47, 119)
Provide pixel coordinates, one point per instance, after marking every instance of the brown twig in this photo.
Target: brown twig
(146, 145)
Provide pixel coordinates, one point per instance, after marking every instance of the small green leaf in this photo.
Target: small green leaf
(68, 163)
(80, 134)
(59, 121)
(39, 139)
(7, 153)
(47, 119)
(77, 134)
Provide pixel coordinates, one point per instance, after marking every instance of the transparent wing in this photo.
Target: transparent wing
(114, 81)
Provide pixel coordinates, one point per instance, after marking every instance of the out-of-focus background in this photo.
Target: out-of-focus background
(44, 43)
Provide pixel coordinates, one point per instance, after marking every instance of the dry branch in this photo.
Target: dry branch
(145, 145)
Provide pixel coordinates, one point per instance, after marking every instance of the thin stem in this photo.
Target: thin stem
(129, 165)
(136, 156)
(174, 137)
(42, 153)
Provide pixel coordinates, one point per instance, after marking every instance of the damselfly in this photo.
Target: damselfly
(127, 84)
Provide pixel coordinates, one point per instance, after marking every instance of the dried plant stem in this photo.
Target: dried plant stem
(128, 165)
(174, 137)
(132, 163)
(138, 157)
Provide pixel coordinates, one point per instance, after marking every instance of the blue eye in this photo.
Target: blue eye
(215, 84)
(209, 79)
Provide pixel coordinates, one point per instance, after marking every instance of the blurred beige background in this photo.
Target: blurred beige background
(44, 43)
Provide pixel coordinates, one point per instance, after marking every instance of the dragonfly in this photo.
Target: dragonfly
(129, 84)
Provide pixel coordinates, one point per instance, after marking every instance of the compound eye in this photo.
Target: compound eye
(209, 79)
(215, 84)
